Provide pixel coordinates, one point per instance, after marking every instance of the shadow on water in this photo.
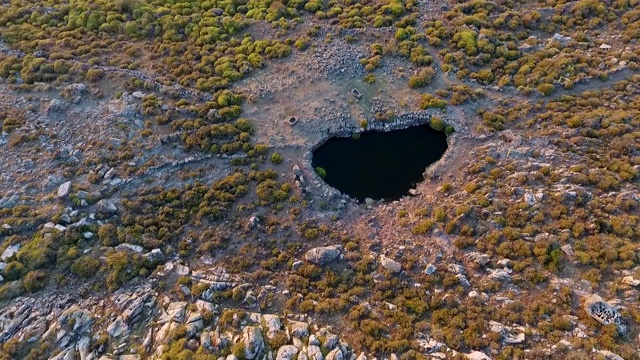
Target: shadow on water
(380, 165)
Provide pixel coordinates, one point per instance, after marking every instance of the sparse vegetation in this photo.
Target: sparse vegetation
(154, 110)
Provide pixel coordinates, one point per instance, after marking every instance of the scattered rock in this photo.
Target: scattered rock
(567, 249)
(390, 264)
(130, 247)
(10, 251)
(106, 207)
(9, 202)
(499, 275)
(430, 269)
(608, 355)
(529, 198)
(299, 329)
(323, 255)
(64, 189)
(629, 280)
(479, 258)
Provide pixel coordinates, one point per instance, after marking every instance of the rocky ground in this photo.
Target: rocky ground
(80, 151)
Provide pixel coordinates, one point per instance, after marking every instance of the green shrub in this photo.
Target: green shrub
(34, 280)
(14, 271)
(437, 123)
(423, 227)
(85, 266)
(11, 290)
(493, 120)
(276, 158)
(321, 172)
(545, 89)
(94, 75)
(238, 350)
(429, 101)
(108, 235)
(302, 43)
(423, 78)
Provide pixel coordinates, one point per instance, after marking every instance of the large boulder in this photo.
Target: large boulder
(335, 354)
(10, 251)
(106, 207)
(323, 255)
(314, 352)
(299, 329)
(272, 323)
(603, 312)
(286, 352)
(64, 189)
(253, 342)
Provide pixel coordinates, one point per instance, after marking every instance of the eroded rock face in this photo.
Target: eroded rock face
(603, 312)
(323, 255)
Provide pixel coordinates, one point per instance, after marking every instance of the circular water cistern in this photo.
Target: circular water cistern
(379, 165)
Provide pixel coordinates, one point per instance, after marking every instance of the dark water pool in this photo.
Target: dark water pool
(380, 165)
